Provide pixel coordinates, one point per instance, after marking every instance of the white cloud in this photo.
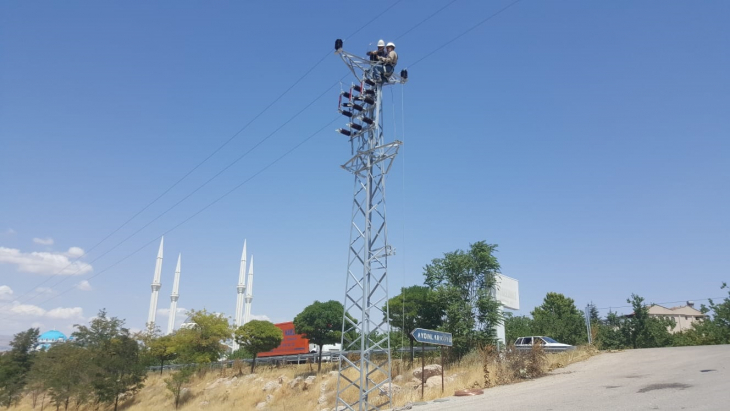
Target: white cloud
(260, 317)
(84, 285)
(9, 231)
(65, 313)
(6, 293)
(27, 310)
(16, 317)
(75, 252)
(44, 290)
(43, 241)
(45, 262)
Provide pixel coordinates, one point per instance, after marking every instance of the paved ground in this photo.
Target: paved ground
(684, 378)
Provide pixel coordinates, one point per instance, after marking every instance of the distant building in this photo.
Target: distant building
(683, 315)
(49, 338)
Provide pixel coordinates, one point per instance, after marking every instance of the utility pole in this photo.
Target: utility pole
(588, 323)
(364, 382)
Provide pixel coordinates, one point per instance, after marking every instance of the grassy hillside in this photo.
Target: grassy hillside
(299, 387)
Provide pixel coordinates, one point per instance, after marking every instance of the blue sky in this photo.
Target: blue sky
(588, 139)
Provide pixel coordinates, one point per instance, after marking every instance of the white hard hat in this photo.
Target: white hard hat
(390, 44)
(381, 43)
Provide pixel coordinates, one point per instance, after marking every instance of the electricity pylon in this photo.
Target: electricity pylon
(364, 381)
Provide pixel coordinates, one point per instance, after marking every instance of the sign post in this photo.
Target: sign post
(423, 367)
(431, 337)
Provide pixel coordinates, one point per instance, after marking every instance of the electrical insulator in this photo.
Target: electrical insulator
(346, 113)
(357, 88)
(367, 120)
(357, 127)
(404, 74)
(338, 44)
(345, 132)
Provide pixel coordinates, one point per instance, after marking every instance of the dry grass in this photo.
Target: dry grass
(235, 388)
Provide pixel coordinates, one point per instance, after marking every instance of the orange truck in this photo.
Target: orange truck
(292, 344)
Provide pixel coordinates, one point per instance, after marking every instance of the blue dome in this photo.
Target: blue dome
(52, 335)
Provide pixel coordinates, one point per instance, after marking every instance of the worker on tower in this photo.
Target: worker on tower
(377, 53)
(387, 63)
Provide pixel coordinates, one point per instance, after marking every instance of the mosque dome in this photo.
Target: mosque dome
(53, 336)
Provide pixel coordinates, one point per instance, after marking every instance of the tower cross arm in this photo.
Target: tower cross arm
(385, 152)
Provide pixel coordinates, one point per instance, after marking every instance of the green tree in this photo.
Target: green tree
(415, 307)
(642, 331)
(258, 336)
(67, 371)
(713, 330)
(240, 354)
(15, 365)
(463, 282)
(36, 384)
(203, 342)
(115, 355)
(177, 381)
(558, 318)
(609, 335)
(516, 327)
(636, 330)
(162, 349)
(320, 323)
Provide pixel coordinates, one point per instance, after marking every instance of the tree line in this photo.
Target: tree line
(105, 362)
(559, 318)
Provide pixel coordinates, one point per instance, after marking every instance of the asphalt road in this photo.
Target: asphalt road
(684, 378)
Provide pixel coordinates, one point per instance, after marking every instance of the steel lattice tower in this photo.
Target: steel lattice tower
(364, 381)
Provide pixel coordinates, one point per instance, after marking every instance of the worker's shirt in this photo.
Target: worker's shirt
(390, 58)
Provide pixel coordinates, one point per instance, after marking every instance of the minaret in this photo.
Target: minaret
(155, 289)
(173, 297)
(249, 293)
(241, 289)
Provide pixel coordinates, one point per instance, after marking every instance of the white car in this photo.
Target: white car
(547, 343)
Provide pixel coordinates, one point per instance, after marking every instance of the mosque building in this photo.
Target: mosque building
(50, 338)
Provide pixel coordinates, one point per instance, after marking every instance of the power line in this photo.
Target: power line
(246, 153)
(463, 33)
(202, 209)
(186, 175)
(426, 19)
(63, 279)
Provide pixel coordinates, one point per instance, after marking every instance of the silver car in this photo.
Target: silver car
(547, 343)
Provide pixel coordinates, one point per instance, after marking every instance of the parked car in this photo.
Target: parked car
(547, 343)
